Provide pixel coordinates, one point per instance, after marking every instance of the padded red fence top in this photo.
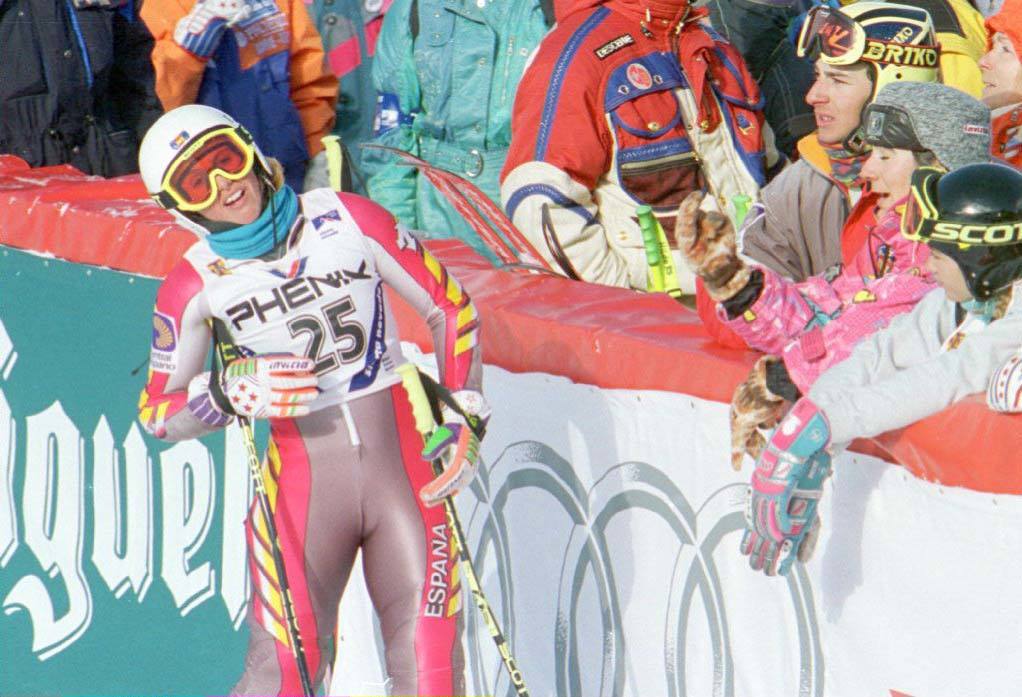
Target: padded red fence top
(591, 334)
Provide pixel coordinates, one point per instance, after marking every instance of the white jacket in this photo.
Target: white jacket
(903, 374)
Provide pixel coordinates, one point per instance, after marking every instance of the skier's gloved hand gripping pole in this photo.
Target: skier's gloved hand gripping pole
(268, 386)
(454, 443)
(299, 375)
(425, 425)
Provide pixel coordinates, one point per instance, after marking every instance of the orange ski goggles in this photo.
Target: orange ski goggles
(833, 35)
(189, 184)
(837, 39)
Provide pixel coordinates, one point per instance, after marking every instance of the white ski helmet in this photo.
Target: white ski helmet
(170, 136)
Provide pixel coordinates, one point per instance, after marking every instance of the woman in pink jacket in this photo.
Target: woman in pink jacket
(807, 327)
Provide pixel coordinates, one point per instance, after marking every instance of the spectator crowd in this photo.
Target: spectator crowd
(836, 182)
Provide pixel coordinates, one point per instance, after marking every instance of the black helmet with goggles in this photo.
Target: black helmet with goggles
(973, 215)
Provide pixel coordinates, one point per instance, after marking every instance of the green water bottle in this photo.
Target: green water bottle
(741, 205)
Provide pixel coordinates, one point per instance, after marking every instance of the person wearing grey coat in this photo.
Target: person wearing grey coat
(907, 371)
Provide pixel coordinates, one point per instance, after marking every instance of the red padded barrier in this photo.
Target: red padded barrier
(591, 334)
(90, 220)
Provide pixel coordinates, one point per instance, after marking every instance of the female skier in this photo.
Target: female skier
(294, 285)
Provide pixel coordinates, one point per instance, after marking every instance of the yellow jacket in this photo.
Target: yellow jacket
(963, 41)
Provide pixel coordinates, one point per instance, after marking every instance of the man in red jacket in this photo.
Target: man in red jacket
(627, 103)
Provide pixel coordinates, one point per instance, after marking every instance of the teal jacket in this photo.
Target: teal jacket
(446, 72)
(349, 29)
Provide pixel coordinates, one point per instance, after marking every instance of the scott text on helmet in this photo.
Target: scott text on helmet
(965, 233)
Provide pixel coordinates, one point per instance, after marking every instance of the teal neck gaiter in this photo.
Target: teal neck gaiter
(259, 237)
(984, 309)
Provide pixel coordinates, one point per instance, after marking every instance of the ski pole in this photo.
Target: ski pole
(477, 208)
(663, 275)
(654, 270)
(266, 510)
(293, 635)
(424, 424)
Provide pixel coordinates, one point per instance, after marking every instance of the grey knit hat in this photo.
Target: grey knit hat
(930, 116)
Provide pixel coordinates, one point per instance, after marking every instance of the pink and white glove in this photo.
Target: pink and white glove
(270, 386)
(781, 510)
(199, 32)
(1005, 391)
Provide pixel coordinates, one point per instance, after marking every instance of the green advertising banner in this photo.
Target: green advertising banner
(122, 558)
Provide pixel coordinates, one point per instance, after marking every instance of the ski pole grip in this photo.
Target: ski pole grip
(647, 224)
(741, 203)
(417, 398)
(334, 160)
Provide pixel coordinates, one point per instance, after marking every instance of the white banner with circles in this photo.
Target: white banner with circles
(605, 527)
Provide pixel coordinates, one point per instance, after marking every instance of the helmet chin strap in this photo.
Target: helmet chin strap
(212, 226)
(268, 194)
(855, 142)
(262, 238)
(273, 218)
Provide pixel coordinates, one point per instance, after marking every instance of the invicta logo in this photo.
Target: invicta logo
(987, 235)
(614, 45)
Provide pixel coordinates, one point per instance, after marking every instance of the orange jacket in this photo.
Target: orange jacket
(1007, 120)
(313, 86)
